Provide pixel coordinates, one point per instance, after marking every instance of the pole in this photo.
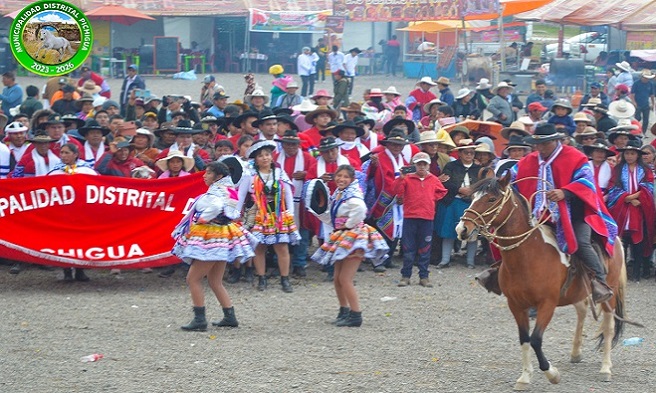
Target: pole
(502, 38)
(247, 45)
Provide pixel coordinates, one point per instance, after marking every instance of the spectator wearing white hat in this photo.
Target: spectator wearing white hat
(290, 98)
(17, 134)
(624, 76)
(464, 107)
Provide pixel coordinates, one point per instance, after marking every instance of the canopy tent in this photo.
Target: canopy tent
(510, 8)
(436, 26)
(623, 14)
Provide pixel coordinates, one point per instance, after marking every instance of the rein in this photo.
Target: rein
(495, 210)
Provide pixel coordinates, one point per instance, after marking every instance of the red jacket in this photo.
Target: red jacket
(109, 166)
(416, 195)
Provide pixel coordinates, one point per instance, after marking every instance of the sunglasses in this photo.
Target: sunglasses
(588, 138)
(467, 152)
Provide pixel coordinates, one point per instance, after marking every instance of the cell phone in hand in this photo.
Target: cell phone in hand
(408, 169)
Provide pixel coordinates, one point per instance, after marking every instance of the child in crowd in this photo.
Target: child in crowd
(561, 118)
(419, 193)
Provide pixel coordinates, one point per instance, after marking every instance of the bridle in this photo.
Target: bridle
(484, 226)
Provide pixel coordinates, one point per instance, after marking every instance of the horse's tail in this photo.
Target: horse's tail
(620, 303)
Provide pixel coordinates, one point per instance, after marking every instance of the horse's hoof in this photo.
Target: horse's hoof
(576, 359)
(553, 375)
(605, 377)
(521, 386)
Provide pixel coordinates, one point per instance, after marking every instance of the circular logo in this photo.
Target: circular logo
(51, 38)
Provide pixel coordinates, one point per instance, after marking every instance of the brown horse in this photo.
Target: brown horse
(533, 273)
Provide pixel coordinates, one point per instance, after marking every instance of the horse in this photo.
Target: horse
(50, 41)
(533, 273)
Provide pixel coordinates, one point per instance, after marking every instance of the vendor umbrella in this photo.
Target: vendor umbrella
(116, 14)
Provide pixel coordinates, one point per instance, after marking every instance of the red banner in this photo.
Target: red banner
(94, 221)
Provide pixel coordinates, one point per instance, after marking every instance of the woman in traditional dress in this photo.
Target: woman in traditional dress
(208, 238)
(631, 203)
(350, 242)
(270, 191)
(72, 165)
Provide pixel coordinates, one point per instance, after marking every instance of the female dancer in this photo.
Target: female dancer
(271, 192)
(208, 238)
(351, 241)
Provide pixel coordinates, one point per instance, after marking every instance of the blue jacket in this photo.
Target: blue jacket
(567, 121)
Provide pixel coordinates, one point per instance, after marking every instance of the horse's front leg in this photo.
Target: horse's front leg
(608, 331)
(581, 311)
(521, 317)
(545, 313)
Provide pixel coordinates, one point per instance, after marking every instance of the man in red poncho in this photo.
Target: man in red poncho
(573, 204)
(420, 97)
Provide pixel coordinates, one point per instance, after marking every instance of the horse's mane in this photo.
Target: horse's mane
(491, 185)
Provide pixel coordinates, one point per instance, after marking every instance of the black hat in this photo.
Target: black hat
(290, 136)
(356, 49)
(315, 194)
(601, 108)
(52, 119)
(220, 94)
(634, 145)
(396, 136)
(166, 126)
(600, 144)
(359, 131)
(393, 122)
(288, 120)
(264, 116)
(125, 144)
(613, 135)
(68, 89)
(365, 120)
(93, 125)
(69, 118)
(516, 141)
(544, 132)
(184, 127)
(235, 167)
(328, 143)
(212, 119)
(240, 119)
(286, 111)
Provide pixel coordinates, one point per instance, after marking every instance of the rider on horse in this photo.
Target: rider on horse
(567, 193)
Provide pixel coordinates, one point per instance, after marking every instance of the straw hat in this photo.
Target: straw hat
(257, 93)
(392, 90)
(353, 107)
(309, 118)
(592, 102)
(443, 81)
(587, 132)
(375, 92)
(621, 109)
(187, 162)
(89, 87)
(466, 144)
(484, 148)
(582, 117)
(647, 74)
(516, 126)
(427, 107)
(502, 85)
(427, 137)
(525, 120)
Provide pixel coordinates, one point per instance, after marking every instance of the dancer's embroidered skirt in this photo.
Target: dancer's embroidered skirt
(344, 242)
(269, 231)
(214, 242)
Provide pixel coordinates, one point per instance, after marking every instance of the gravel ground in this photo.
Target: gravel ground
(451, 338)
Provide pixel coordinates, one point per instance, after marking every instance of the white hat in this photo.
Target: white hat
(15, 128)
(98, 101)
(428, 80)
(292, 84)
(305, 106)
(501, 85)
(392, 90)
(526, 121)
(624, 66)
(257, 93)
(621, 109)
(483, 84)
(421, 157)
(428, 105)
(187, 162)
(147, 133)
(462, 93)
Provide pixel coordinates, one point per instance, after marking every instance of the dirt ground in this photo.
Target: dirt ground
(454, 337)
